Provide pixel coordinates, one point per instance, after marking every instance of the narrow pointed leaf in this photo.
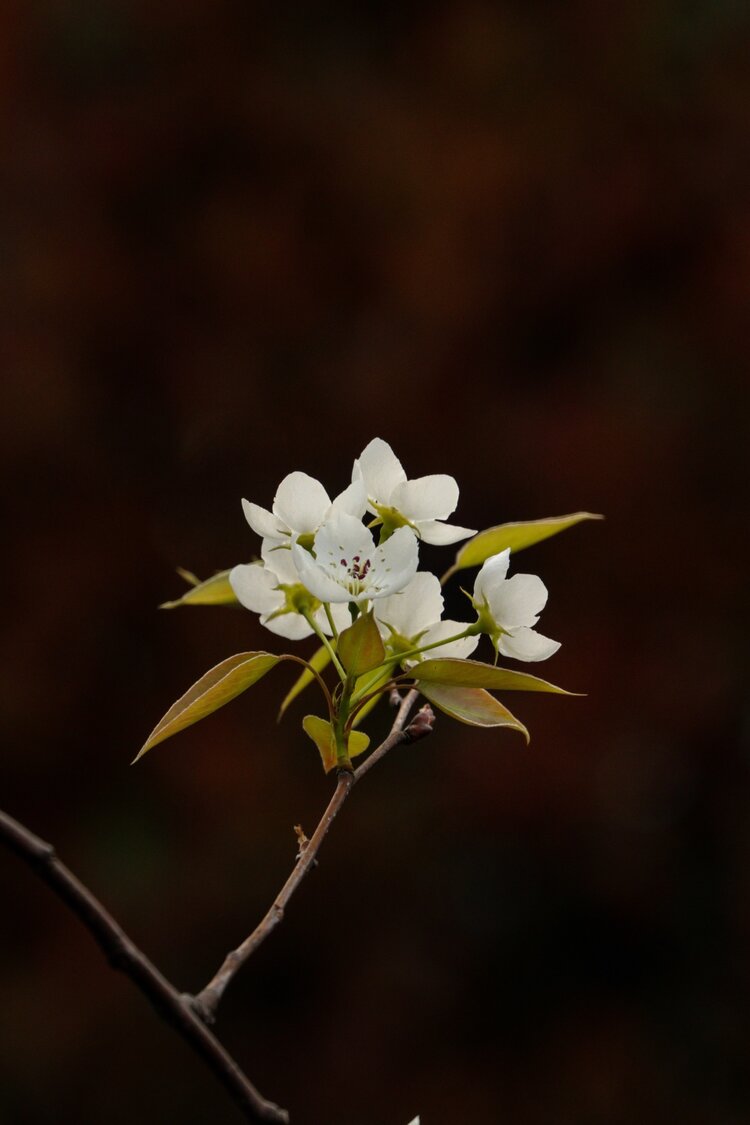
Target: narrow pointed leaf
(319, 660)
(190, 578)
(473, 706)
(218, 686)
(214, 591)
(360, 647)
(322, 734)
(473, 673)
(513, 535)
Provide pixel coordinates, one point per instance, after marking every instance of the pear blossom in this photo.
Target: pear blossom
(273, 589)
(509, 608)
(411, 618)
(300, 506)
(345, 565)
(420, 504)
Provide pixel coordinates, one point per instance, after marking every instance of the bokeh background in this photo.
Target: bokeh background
(512, 239)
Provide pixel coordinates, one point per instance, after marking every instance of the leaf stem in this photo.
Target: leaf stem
(321, 682)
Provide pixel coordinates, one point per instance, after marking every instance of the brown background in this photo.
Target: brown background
(513, 240)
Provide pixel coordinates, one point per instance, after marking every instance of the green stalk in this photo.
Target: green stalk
(324, 639)
(340, 726)
(329, 615)
(398, 657)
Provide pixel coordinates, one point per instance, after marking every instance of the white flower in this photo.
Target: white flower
(273, 589)
(419, 504)
(508, 609)
(300, 506)
(348, 567)
(411, 618)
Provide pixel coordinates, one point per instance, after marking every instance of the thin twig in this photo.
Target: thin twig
(123, 954)
(207, 1000)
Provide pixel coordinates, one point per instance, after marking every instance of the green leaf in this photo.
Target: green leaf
(214, 591)
(319, 660)
(360, 647)
(473, 706)
(220, 684)
(358, 743)
(513, 535)
(473, 673)
(322, 734)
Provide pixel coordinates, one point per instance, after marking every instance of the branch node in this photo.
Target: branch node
(200, 1007)
(302, 842)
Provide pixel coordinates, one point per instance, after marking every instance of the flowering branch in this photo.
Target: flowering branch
(123, 954)
(206, 1002)
(380, 624)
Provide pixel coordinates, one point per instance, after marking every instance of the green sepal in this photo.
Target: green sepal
(319, 660)
(473, 673)
(324, 737)
(517, 536)
(360, 647)
(473, 706)
(213, 591)
(215, 688)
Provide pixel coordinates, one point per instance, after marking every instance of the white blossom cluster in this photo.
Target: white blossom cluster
(319, 558)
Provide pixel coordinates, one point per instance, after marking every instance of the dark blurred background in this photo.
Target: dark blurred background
(514, 240)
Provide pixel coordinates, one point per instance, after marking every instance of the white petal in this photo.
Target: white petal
(380, 469)
(263, 522)
(301, 502)
(278, 559)
(352, 501)
(349, 567)
(426, 498)
(255, 588)
(442, 534)
(518, 601)
(411, 611)
(527, 644)
(316, 579)
(492, 573)
(442, 631)
(394, 563)
(342, 536)
(290, 625)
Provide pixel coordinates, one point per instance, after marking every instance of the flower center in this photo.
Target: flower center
(356, 571)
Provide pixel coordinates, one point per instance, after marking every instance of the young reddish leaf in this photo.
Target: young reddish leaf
(360, 647)
(321, 732)
(473, 673)
(319, 660)
(513, 535)
(213, 591)
(218, 686)
(473, 706)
